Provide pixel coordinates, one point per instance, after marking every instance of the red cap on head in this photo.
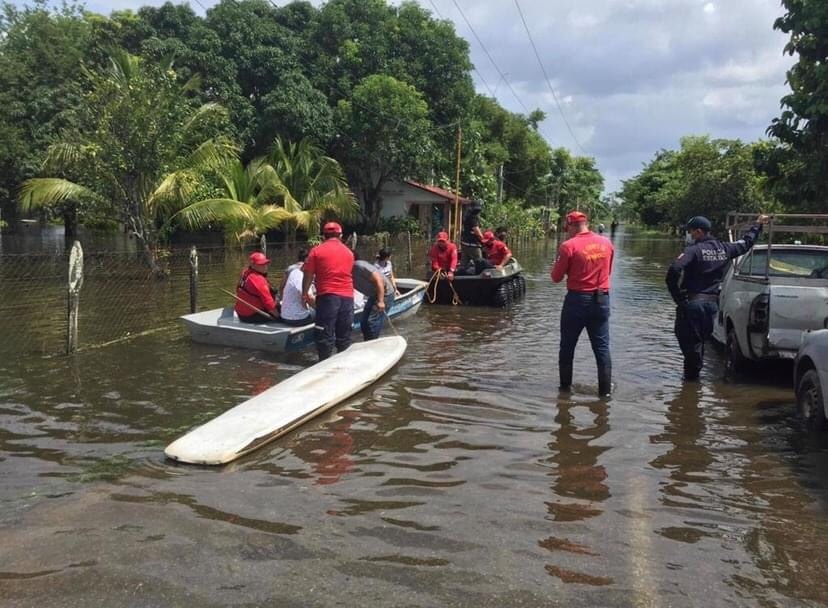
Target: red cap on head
(258, 257)
(573, 217)
(488, 236)
(332, 228)
(442, 236)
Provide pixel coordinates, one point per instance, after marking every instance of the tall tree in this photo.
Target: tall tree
(803, 124)
(385, 134)
(136, 124)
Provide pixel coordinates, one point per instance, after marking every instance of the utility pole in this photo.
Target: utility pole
(500, 184)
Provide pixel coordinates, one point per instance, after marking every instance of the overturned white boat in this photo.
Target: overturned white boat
(221, 326)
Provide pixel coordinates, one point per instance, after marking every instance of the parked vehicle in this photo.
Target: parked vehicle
(771, 295)
(811, 379)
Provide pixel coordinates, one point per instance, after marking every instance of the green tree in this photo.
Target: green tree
(295, 186)
(385, 134)
(40, 57)
(803, 125)
(136, 124)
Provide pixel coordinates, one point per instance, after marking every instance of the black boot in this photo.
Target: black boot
(604, 381)
(565, 370)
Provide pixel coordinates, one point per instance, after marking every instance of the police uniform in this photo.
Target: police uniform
(470, 246)
(694, 279)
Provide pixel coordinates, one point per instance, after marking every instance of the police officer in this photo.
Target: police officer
(471, 238)
(694, 279)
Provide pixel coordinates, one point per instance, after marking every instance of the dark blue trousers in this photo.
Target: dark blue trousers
(694, 325)
(372, 318)
(334, 321)
(580, 311)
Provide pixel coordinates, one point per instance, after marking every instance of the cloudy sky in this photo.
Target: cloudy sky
(630, 76)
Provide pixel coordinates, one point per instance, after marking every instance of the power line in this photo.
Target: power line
(548, 83)
(476, 71)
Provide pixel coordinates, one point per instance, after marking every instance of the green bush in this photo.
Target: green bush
(400, 224)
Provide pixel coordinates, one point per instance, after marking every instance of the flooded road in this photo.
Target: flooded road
(462, 478)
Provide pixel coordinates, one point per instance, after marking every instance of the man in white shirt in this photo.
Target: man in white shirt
(295, 311)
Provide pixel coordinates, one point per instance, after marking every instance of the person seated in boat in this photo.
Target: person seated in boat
(359, 300)
(379, 293)
(295, 311)
(385, 266)
(255, 298)
(502, 233)
(497, 253)
(443, 256)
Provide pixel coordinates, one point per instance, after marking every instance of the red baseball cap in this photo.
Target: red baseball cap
(257, 257)
(573, 217)
(332, 228)
(442, 236)
(488, 236)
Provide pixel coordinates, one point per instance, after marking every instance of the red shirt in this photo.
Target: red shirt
(254, 289)
(331, 263)
(443, 259)
(586, 260)
(497, 252)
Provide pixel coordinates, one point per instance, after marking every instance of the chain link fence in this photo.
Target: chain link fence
(120, 298)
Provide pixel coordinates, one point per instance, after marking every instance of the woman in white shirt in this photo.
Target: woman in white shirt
(294, 310)
(385, 266)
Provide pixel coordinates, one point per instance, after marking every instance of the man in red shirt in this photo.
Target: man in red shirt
(329, 264)
(443, 256)
(496, 250)
(254, 292)
(586, 261)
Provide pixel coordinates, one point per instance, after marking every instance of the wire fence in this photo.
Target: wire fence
(120, 298)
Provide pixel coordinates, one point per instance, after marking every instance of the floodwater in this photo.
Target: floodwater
(462, 478)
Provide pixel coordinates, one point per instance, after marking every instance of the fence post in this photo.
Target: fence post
(194, 280)
(410, 260)
(75, 282)
(263, 244)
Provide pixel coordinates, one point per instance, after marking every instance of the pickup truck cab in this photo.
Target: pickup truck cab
(769, 296)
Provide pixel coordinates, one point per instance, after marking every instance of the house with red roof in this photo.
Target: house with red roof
(429, 205)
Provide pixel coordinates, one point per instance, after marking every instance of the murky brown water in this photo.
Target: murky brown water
(460, 479)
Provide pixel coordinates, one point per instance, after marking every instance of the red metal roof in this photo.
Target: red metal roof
(446, 194)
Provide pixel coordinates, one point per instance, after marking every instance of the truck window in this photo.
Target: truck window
(803, 263)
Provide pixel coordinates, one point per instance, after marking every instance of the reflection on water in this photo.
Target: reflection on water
(461, 478)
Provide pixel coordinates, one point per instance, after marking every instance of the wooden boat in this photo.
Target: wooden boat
(285, 406)
(221, 326)
(491, 287)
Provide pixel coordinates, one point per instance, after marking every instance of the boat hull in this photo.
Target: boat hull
(492, 287)
(222, 327)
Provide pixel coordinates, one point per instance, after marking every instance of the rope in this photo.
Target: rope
(390, 324)
(432, 298)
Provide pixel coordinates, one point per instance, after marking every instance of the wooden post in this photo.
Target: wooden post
(263, 244)
(410, 260)
(75, 283)
(194, 279)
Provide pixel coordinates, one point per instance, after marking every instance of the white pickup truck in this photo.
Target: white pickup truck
(771, 295)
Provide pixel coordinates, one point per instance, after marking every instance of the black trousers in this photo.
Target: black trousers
(694, 325)
(334, 322)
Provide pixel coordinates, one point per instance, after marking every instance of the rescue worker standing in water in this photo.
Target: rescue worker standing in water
(471, 238)
(586, 261)
(694, 279)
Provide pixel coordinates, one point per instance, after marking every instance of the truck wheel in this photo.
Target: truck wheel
(809, 401)
(736, 361)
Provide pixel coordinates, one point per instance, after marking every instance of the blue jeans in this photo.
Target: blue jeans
(585, 310)
(372, 318)
(694, 325)
(334, 322)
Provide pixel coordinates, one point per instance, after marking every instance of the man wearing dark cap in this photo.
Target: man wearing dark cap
(694, 279)
(329, 264)
(254, 295)
(586, 261)
(471, 238)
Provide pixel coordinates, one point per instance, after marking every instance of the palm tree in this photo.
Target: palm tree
(295, 185)
(309, 185)
(245, 208)
(133, 127)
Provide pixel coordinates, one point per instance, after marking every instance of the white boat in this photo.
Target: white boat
(221, 326)
(285, 406)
